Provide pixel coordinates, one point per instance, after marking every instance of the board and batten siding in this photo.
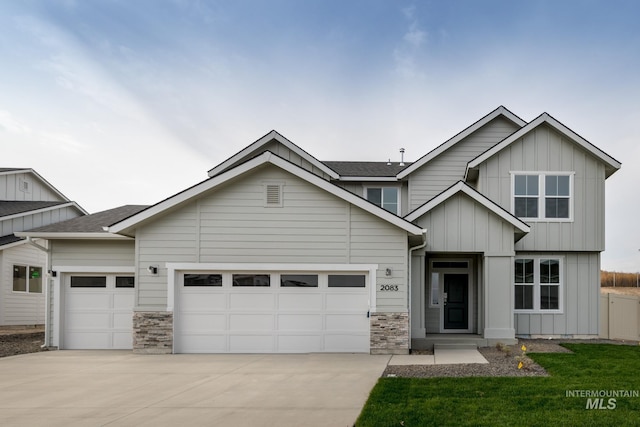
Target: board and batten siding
(280, 150)
(581, 293)
(231, 224)
(11, 189)
(21, 308)
(546, 150)
(449, 167)
(39, 219)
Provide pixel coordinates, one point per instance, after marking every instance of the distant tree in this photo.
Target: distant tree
(617, 279)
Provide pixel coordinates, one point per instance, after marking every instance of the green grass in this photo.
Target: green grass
(517, 401)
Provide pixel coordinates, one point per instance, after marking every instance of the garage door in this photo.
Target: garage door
(272, 313)
(98, 311)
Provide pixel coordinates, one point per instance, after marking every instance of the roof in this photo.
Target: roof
(127, 226)
(13, 207)
(255, 149)
(462, 187)
(611, 164)
(500, 111)
(88, 226)
(367, 169)
(11, 238)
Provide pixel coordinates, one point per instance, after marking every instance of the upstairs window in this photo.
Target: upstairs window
(545, 196)
(387, 198)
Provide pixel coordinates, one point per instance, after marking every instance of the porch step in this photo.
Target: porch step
(455, 346)
(450, 341)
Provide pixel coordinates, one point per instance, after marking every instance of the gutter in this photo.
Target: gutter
(47, 308)
(411, 250)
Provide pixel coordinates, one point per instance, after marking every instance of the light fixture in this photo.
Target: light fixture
(153, 269)
(387, 272)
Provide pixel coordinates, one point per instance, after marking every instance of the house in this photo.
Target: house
(495, 234)
(27, 200)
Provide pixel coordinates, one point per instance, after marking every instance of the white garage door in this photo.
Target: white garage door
(98, 311)
(272, 313)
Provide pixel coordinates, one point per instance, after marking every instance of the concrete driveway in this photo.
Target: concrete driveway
(118, 388)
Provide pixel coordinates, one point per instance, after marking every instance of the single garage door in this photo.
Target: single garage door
(272, 313)
(98, 311)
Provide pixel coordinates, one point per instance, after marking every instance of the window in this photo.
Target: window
(299, 280)
(88, 282)
(347, 281)
(27, 279)
(537, 284)
(251, 280)
(203, 279)
(387, 198)
(542, 196)
(125, 282)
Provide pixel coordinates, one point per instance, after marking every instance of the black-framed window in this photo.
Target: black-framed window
(347, 280)
(257, 280)
(299, 280)
(193, 279)
(125, 282)
(88, 281)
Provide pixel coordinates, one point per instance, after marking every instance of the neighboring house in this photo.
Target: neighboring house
(496, 233)
(26, 201)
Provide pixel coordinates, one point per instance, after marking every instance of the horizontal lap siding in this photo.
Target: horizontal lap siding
(581, 293)
(544, 149)
(232, 225)
(92, 253)
(450, 166)
(20, 308)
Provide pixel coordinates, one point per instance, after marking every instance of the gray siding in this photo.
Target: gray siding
(28, 222)
(544, 149)
(449, 167)
(90, 253)
(277, 148)
(20, 308)
(581, 293)
(10, 189)
(232, 225)
(460, 224)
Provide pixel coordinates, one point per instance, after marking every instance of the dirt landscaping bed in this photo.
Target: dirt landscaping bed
(12, 344)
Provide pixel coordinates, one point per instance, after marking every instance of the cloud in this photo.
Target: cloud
(10, 124)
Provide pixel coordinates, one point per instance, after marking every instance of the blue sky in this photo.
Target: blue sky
(128, 102)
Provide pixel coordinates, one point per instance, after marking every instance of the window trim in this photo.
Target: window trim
(537, 285)
(382, 187)
(27, 290)
(542, 195)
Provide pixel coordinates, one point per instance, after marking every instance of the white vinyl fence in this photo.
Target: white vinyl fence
(620, 317)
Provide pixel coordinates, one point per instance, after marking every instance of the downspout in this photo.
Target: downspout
(411, 250)
(47, 310)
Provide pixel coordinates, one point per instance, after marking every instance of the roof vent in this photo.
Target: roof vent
(273, 194)
(401, 157)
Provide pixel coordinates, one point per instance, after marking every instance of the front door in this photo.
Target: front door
(456, 301)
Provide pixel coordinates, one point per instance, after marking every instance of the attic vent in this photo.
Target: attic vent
(273, 194)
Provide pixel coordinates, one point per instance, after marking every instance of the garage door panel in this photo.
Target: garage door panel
(123, 321)
(300, 343)
(123, 300)
(354, 322)
(203, 343)
(199, 322)
(257, 301)
(87, 300)
(251, 322)
(251, 344)
(204, 300)
(300, 302)
(90, 340)
(345, 342)
(344, 301)
(122, 340)
(300, 322)
(88, 320)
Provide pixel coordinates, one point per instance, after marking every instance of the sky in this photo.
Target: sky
(120, 102)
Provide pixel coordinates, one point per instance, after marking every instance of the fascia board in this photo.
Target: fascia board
(545, 118)
(487, 203)
(73, 235)
(266, 157)
(369, 178)
(41, 210)
(264, 140)
(460, 136)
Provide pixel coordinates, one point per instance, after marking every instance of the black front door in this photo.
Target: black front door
(456, 301)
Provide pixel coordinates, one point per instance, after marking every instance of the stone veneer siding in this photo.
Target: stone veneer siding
(390, 333)
(153, 332)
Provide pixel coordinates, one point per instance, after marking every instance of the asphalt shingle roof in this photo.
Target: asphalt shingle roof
(92, 223)
(12, 207)
(367, 169)
(5, 240)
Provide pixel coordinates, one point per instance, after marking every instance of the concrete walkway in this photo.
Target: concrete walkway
(118, 388)
(440, 356)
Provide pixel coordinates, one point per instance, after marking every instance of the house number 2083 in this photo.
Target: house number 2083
(389, 288)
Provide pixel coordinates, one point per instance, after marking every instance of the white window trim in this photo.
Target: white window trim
(397, 187)
(27, 291)
(541, 194)
(536, 285)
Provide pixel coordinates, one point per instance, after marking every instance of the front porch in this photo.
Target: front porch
(457, 341)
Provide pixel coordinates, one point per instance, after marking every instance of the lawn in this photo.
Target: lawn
(522, 401)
